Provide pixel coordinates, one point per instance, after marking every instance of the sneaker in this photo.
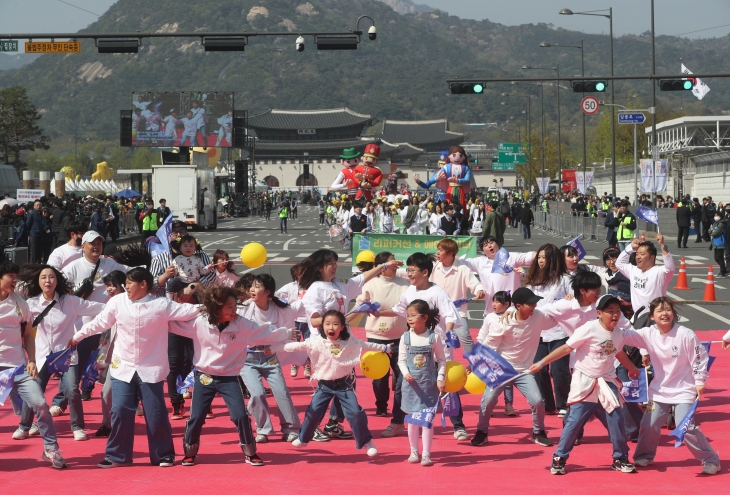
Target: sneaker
(336, 431)
(188, 461)
(34, 430)
(319, 436)
(480, 438)
(562, 413)
(85, 395)
(139, 411)
(558, 465)
(107, 464)
(20, 434)
(299, 444)
(643, 462)
(509, 410)
(261, 438)
(103, 431)
(307, 370)
(541, 438)
(413, 458)
(177, 411)
(80, 435)
(623, 465)
(289, 437)
(392, 430)
(426, 460)
(381, 414)
(56, 411)
(254, 460)
(710, 468)
(187, 395)
(54, 457)
(372, 451)
(167, 461)
(294, 370)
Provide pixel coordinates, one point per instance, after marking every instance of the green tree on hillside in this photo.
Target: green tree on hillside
(19, 130)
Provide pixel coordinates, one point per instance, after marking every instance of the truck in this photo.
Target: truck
(190, 193)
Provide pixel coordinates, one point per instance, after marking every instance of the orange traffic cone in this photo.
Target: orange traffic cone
(682, 277)
(642, 237)
(710, 287)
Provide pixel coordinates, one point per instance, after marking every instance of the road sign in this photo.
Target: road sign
(52, 47)
(9, 46)
(505, 167)
(590, 105)
(631, 118)
(511, 153)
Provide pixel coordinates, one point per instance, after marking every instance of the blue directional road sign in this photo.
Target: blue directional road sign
(631, 118)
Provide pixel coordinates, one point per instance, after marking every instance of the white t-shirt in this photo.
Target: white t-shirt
(436, 297)
(189, 269)
(595, 349)
(291, 292)
(325, 296)
(648, 285)
(551, 293)
(63, 255)
(494, 282)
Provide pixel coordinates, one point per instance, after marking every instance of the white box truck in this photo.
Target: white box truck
(184, 188)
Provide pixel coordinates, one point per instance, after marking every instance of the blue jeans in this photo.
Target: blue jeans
(526, 230)
(70, 386)
(257, 368)
(633, 413)
(343, 390)
(282, 224)
(580, 413)
(381, 386)
(527, 387)
(622, 244)
(30, 391)
(509, 394)
(462, 331)
(559, 370)
(125, 395)
(84, 350)
(230, 388)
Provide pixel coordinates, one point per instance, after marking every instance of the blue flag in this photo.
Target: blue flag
(7, 380)
(91, 373)
(500, 265)
(452, 340)
(636, 390)
(648, 215)
(683, 425)
(423, 418)
(489, 366)
(710, 359)
(163, 233)
(369, 307)
(183, 385)
(59, 362)
(460, 302)
(451, 406)
(575, 242)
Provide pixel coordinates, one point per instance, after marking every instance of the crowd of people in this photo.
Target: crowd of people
(547, 315)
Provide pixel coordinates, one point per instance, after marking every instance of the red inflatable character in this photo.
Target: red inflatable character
(367, 173)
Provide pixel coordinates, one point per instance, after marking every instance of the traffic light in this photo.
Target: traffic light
(466, 88)
(589, 86)
(676, 84)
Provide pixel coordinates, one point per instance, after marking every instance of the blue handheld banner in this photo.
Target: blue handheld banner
(489, 366)
(636, 390)
(682, 427)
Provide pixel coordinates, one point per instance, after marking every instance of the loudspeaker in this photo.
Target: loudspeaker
(125, 128)
(239, 129)
(241, 169)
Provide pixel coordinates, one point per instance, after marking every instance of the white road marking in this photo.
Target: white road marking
(286, 244)
(701, 309)
(703, 281)
(204, 246)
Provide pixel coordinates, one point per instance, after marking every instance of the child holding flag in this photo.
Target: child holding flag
(680, 371)
(422, 362)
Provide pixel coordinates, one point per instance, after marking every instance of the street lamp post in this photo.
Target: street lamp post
(609, 16)
(560, 162)
(528, 126)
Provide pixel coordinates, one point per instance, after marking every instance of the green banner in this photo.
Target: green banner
(404, 245)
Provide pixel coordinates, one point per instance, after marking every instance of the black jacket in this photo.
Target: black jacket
(449, 226)
(526, 215)
(683, 215)
(57, 223)
(35, 224)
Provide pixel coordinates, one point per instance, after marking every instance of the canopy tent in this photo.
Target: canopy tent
(128, 193)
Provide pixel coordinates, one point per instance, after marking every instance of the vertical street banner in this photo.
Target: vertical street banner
(543, 184)
(660, 170)
(647, 175)
(654, 175)
(569, 181)
(583, 181)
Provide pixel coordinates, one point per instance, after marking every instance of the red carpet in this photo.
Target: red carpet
(509, 462)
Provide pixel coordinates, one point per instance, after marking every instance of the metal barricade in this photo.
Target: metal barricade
(566, 226)
(128, 223)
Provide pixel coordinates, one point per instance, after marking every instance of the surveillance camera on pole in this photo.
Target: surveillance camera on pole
(372, 33)
(300, 44)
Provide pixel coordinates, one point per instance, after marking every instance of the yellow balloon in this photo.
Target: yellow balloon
(474, 385)
(374, 365)
(365, 256)
(455, 376)
(253, 255)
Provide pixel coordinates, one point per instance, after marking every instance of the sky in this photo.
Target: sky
(672, 17)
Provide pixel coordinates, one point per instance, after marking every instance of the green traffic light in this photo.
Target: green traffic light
(600, 86)
(478, 88)
(688, 84)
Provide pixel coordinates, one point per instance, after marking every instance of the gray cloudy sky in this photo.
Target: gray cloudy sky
(630, 16)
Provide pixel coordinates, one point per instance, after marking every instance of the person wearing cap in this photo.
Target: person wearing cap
(150, 220)
(594, 387)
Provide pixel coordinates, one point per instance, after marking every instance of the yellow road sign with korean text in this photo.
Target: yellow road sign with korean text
(52, 47)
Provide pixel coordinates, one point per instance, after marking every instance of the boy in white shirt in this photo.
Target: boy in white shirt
(594, 387)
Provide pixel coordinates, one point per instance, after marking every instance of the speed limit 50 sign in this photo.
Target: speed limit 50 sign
(590, 105)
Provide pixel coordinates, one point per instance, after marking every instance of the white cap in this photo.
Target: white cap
(89, 236)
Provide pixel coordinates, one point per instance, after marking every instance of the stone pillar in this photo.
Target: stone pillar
(45, 182)
(60, 184)
(28, 179)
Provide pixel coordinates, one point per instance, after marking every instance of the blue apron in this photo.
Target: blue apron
(422, 392)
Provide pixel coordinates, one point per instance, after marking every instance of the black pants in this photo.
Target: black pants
(36, 249)
(720, 260)
(560, 372)
(682, 236)
(381, 387)
(321, 218)
(114, 230)
(706, 231)
(180, 356)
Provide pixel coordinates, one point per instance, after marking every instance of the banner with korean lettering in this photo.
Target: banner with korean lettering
(636, 390)
(490, 366)
(647, 175)
(403, 245)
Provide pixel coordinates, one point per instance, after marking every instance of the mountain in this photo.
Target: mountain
(406, 6)
(401, 75)
(16, 60)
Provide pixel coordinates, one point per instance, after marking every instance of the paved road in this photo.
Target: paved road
(305, 236)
